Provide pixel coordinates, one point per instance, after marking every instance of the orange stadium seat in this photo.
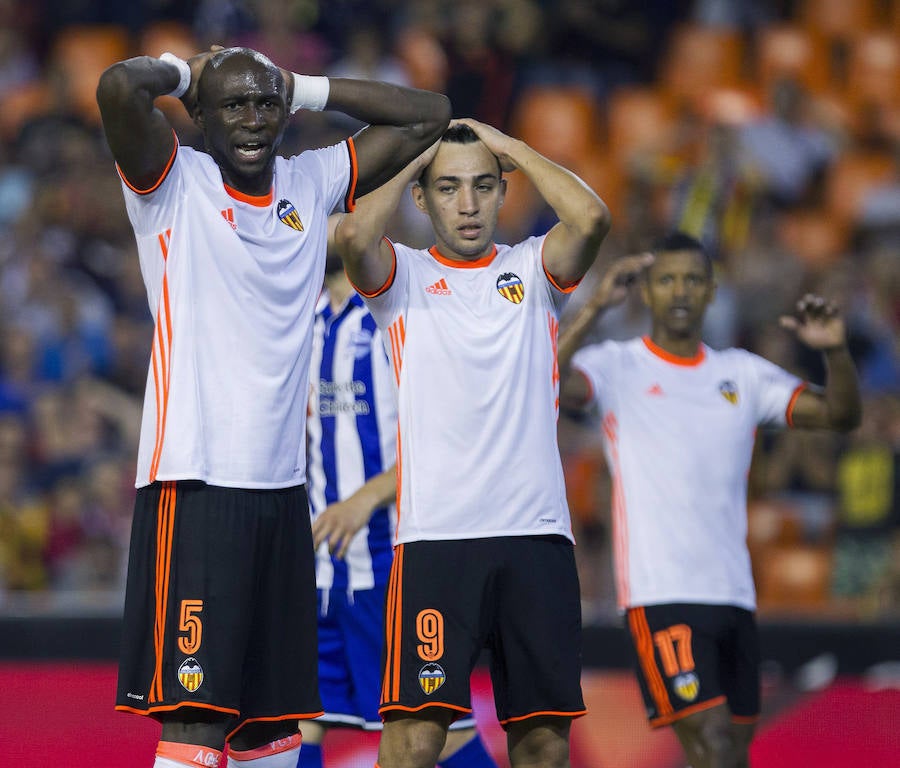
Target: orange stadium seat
(172, 36)
(78, 56)
(837, 19)
(637, 120)
(816, 238)
(562, 123)
(873, 69)
(699, 58)
(789, 50)
(794, 578)
(851, 177)
(20, 105)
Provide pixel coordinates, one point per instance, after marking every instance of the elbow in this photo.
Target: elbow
(847, 422)
(350, 240)
(438, 117)
(113, 83)
(598, 219)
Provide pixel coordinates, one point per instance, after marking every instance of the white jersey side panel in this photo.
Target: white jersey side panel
(679, 440)
(232, 283)
(474, 352)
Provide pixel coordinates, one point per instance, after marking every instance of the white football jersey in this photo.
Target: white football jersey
(473, 345)
(232, 282)
(678, 435)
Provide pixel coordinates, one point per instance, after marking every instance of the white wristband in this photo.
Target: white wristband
(310, 92)
(184, 72)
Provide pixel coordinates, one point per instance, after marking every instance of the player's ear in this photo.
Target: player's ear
(502, 190)
(418, 196)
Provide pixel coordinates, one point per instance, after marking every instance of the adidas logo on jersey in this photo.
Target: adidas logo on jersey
(440, 288)
(228, 215)
(655, 391)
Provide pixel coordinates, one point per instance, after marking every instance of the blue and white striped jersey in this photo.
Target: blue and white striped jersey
(352, 432)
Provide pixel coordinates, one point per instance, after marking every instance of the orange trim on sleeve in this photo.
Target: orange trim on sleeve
(789, 411)
(674, 359)
(387, 283)
(590, 385)
(162, 177)
(350, 197)
(568, 287)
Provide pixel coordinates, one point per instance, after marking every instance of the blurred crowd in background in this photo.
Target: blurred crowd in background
(771, 130)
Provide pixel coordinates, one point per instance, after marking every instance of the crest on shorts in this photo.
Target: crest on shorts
(687, 686)
(728, 390)
(190, 674)
(511, 287)
(431, 677)
(288, 215)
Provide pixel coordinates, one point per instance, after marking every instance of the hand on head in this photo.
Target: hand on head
(496, 141)
(197, 62)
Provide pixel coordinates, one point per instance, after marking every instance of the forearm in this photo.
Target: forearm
(574, 202)
(138, 133)
(842, 396)
(572, 335)
(358, 235)
(378, 103)
(134, 84)
(378, 491)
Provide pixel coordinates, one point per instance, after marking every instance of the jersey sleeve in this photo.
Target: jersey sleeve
(775, 390)
(390, 302)
(595, 362)
(333, 170)
(152, 210)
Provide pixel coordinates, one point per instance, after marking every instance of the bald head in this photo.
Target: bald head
(233, 68)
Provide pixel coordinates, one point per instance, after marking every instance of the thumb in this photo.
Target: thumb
(791, 323)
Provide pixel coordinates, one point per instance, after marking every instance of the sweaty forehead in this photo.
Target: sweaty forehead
(242, 74)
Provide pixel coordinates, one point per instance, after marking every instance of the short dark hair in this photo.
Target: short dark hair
(459, 133)
(681, 241)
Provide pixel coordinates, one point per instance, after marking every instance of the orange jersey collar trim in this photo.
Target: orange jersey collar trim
(260, 201)
(675, 359)
(484, 261)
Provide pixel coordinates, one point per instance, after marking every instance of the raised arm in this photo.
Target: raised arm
(138, 134)
(611, 290)
(358, 237)
(402, 123)
(571, 246)
(819, 325)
